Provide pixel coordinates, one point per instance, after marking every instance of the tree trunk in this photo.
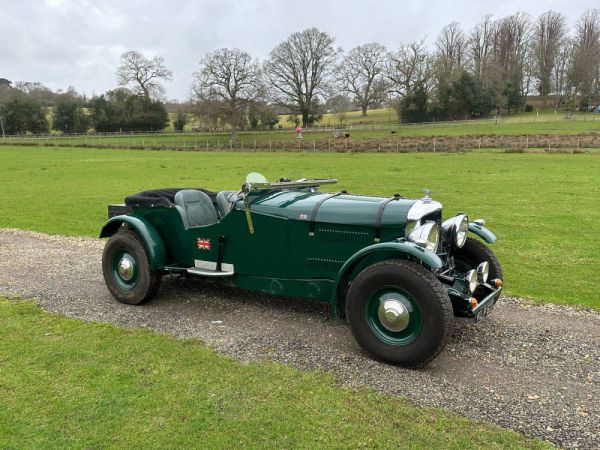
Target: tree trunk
(305, 116)
(364, 110)
(234, 120)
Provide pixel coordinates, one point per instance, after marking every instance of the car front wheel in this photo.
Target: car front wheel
(126, 269)
(399, 312)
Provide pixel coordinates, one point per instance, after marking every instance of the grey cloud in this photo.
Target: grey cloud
(62, 43)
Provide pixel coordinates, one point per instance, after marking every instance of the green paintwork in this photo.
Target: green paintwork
(150, 236)
(286, 254)
(344, 209)
(482, 232)
(388, 250)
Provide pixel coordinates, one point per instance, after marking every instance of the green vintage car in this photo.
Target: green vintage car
(390, 266)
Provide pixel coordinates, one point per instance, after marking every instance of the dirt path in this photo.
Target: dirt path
(528, 367)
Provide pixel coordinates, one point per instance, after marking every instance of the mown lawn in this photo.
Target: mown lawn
(70, 384)
(543, 207)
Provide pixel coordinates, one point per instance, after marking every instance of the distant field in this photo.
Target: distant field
(544, 207)
(388, 117)
(517, 125)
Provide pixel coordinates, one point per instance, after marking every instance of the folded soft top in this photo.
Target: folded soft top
(161, 197)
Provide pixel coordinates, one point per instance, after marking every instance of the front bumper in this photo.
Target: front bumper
(486, 303)
(486, 294)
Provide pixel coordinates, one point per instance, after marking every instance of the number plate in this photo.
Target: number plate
(484, 312)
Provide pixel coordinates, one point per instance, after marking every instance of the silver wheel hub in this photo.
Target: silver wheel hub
(393, 315)
(126, 268)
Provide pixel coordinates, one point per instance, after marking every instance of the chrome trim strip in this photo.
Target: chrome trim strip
(208, 273)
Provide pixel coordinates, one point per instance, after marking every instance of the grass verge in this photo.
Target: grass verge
(67, 383)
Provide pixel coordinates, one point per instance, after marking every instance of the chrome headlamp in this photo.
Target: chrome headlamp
(483, 272)
(471, 280)
(426, 235)
(456, 230)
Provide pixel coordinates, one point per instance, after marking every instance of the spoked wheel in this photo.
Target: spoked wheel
(473, 253)
(126, 269)
(399, 312)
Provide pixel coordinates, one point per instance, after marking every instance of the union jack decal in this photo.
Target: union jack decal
(203, 244)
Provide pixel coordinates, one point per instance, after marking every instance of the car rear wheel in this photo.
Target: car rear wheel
(473, 253)
(399, 312)
(126, 269)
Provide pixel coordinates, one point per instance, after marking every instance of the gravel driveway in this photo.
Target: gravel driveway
(528, 367)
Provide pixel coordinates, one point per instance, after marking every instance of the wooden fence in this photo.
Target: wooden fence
(390, 144)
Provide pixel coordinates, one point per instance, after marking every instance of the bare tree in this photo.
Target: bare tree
(36, 91)
(450, 52)
(480, 49)
(299, 69)
(548, 34)
(408, 67)
(146, 75)
(360, 74)
(6, 93)
(561, 72)
(510, 73)
(340, 105)
(231, 78)
(210, 113)
(586, 65)
(511, 44)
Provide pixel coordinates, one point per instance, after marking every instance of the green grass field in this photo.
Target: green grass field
(70, 384)
(543, 207)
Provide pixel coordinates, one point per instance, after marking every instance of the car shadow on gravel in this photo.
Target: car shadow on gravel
(215, 295)
(176, 287)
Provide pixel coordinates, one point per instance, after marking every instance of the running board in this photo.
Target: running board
(209, 269)
(208, 272)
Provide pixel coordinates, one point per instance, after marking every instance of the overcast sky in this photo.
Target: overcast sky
(78, 43)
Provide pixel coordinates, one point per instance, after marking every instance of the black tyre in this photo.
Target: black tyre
(126, 269)
(473, 253)
(399, 312)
